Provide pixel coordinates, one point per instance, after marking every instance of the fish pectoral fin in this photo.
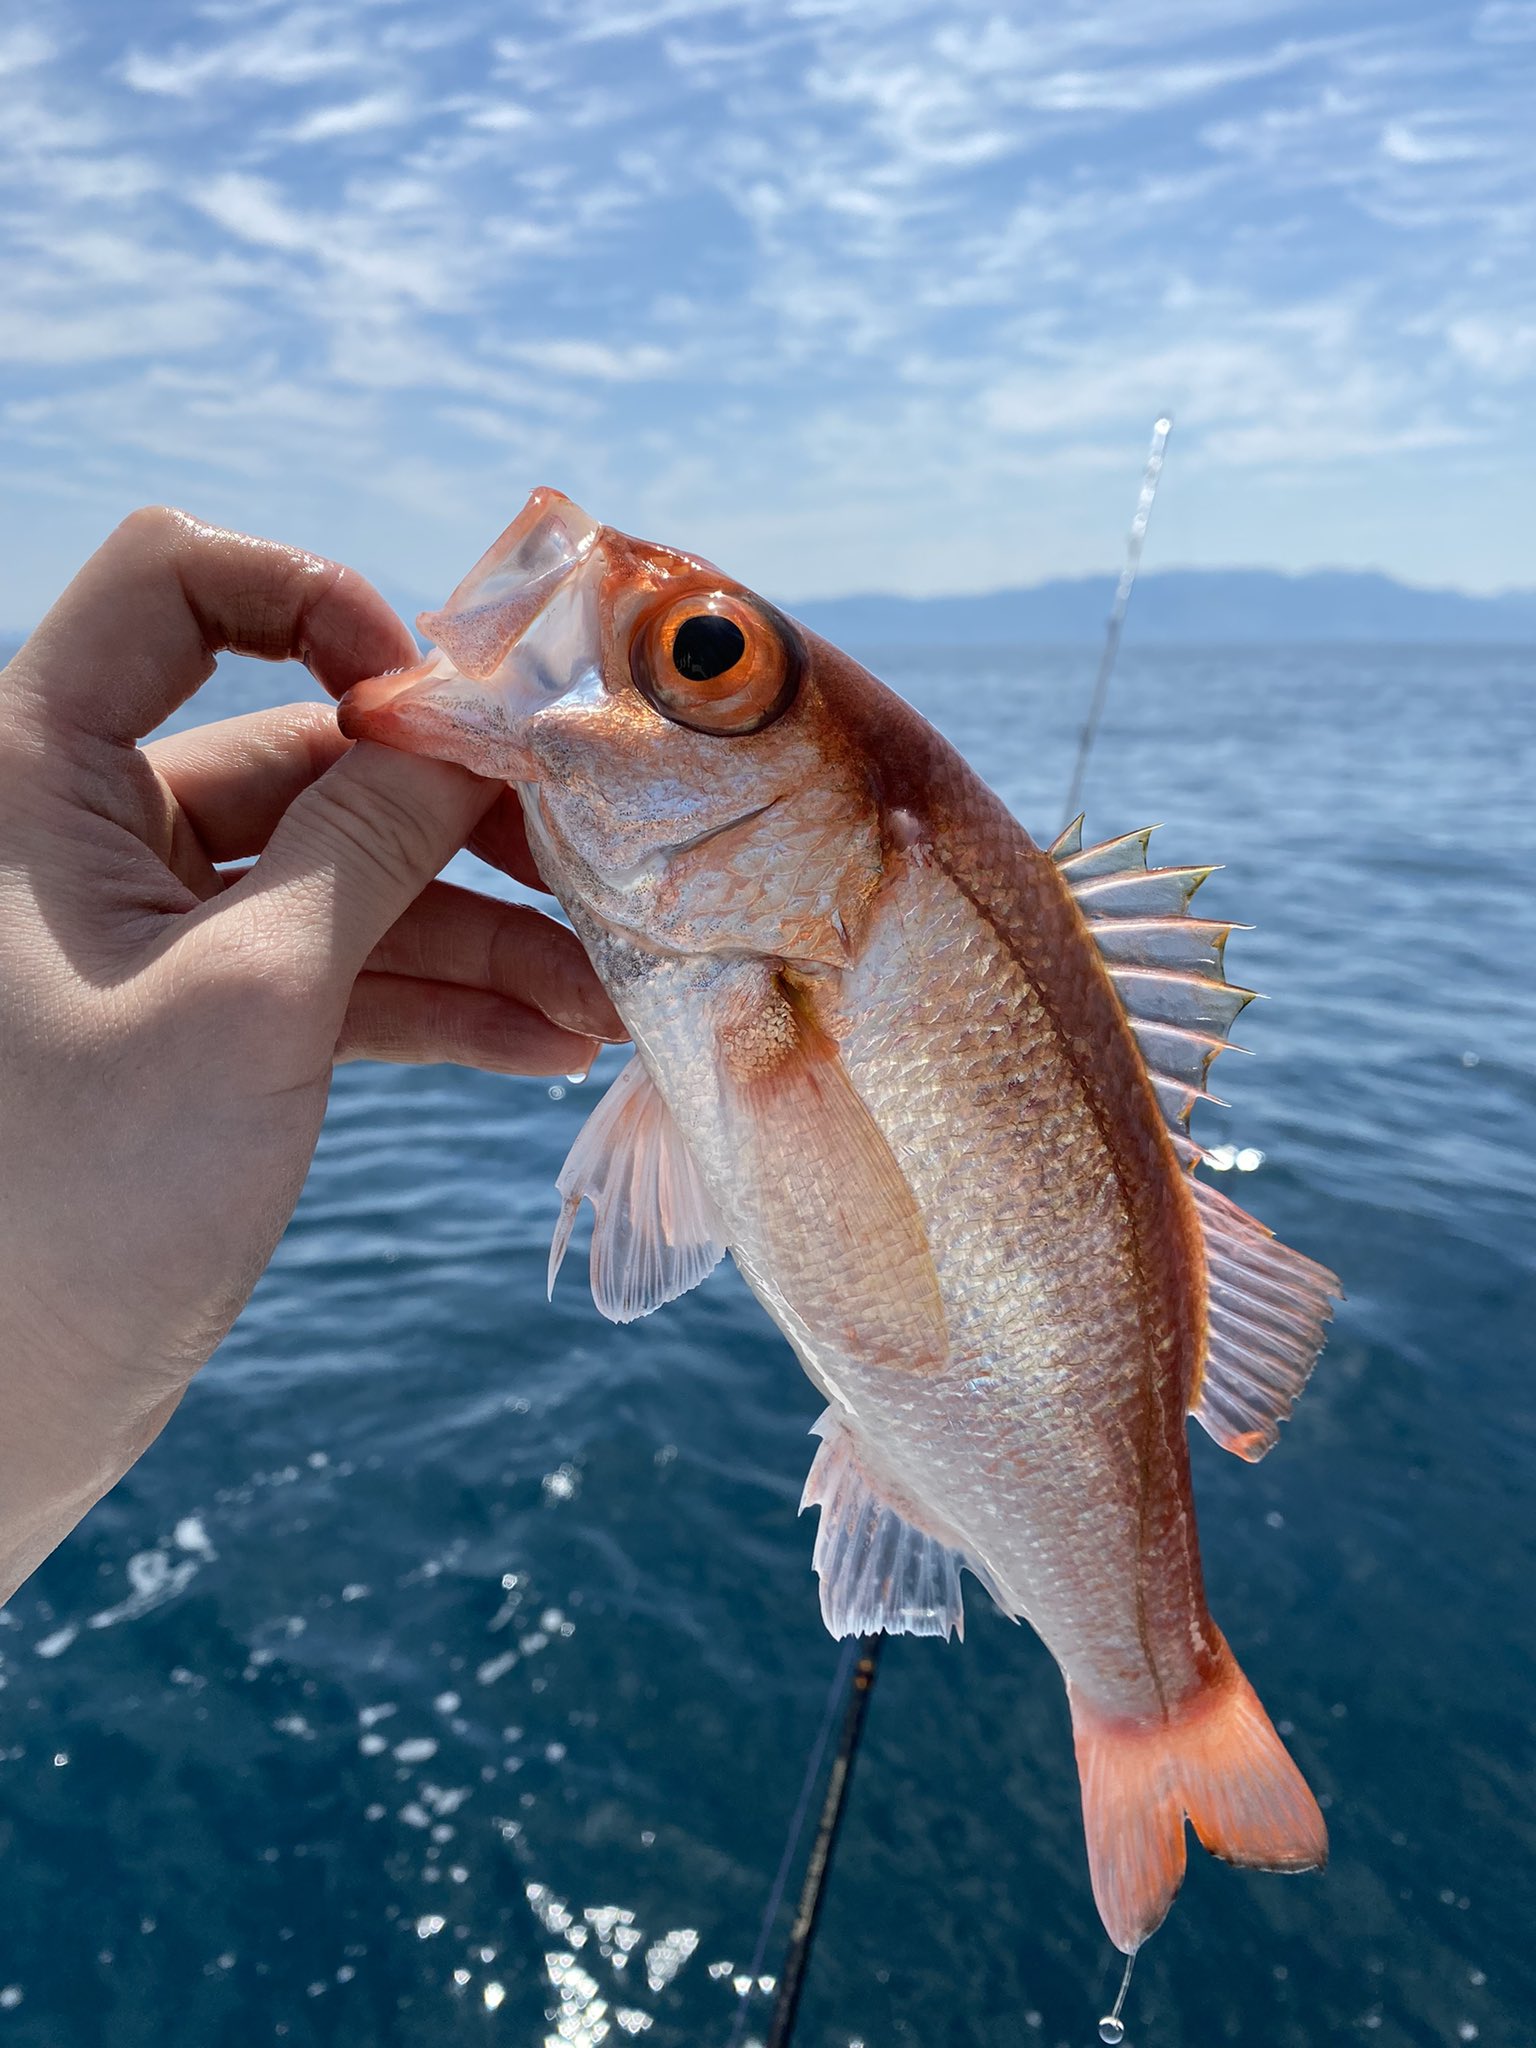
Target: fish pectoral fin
(1268, 1308)
(656, 1233)
(877, 1569)
(839, 1232)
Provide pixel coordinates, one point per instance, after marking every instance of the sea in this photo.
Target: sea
(447, 1672)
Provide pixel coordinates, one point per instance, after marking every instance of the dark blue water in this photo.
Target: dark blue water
(446, 1673)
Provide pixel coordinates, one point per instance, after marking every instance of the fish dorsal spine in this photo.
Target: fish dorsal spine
(1167, 966)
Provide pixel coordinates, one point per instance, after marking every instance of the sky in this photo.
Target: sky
(846, 294)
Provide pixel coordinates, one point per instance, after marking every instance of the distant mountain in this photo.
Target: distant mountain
(1172, 607)
(1185, 607)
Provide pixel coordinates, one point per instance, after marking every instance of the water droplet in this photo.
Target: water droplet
(1112, 2027)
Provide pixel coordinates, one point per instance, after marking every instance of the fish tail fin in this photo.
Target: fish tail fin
(1216, 1759)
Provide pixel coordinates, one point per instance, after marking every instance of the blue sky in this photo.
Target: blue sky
(849, 294)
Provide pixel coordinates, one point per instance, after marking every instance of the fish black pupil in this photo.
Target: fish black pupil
(706, 646)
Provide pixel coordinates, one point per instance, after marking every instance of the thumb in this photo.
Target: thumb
(353, 852)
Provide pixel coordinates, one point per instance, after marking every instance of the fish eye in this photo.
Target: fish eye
(717, 663)
(706, 645)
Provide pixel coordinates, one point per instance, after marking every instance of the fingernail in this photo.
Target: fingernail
(602, 1020)
(579, 1073)
(581, 1005)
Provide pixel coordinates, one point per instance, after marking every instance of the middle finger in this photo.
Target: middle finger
(451, 934)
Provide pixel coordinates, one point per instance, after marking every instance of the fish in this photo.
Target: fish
(929, 1083)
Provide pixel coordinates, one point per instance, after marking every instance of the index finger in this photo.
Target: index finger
(138, 629)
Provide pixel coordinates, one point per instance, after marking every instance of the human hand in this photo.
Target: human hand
(166, 1034)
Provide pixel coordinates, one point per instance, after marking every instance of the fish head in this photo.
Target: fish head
(682, 772)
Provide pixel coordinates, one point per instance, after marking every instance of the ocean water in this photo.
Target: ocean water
(446, 1673)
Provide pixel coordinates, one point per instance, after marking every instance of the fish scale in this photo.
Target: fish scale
(962, 1068)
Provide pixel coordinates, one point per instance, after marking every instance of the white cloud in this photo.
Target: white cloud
(24, 47)
(114, 332)
(1503, 350)
(1506, 21)
(1140, 89)
(597, 360)
(307, 44)
(498, 117)
(1406, 144)
(352, 117)
(601, 20)
(352, 265)
(252, 209)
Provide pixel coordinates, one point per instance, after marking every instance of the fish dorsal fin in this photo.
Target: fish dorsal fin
(878, 1569)
(655, 1234)
(1267, 1306)
(1167, 967)
(1069, 840)
(1267, 1309)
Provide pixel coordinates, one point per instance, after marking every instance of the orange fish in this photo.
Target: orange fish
(929, 1084)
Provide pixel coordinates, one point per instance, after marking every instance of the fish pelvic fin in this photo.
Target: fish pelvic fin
(1217, 1760)
(1267, 1314)
(655, 1234)
(878, 1570)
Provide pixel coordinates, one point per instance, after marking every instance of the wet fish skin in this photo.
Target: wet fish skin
(893, 1075)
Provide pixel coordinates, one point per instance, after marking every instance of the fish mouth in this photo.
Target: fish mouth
(520, 630)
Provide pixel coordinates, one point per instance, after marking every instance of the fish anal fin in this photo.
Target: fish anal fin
(655, 1235)
(1267, 1314)
(878, 1569)
(841, 1237)
(1215, 1758)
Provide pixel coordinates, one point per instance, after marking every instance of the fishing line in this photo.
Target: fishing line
(860, 1662)
(839, 1686)
(808, 1913)
(1136, 540)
